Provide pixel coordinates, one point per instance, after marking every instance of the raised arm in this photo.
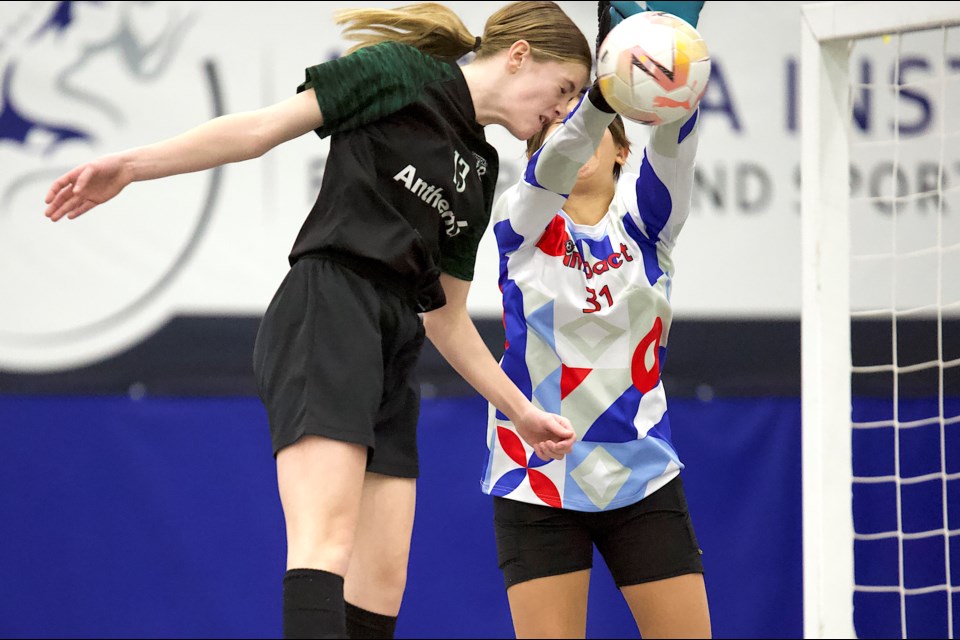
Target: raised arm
(556, 164)
(552, 171)
(453, 333)
(230, 138)
(660, 201)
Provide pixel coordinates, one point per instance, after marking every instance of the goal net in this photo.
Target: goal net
(881, 319)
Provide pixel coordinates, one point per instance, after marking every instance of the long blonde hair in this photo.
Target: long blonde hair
(436, 30)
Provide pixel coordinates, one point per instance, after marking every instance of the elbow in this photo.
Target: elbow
(261, 136)
(236, 138)
(430, 324)
(258, 144)
(441, 325)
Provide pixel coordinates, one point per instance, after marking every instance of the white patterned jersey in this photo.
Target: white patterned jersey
(587, 314)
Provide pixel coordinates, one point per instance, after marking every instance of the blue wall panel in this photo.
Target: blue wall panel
(160, 518)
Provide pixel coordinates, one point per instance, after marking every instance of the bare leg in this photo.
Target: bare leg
(320, 482)
(671, 608)
(377, 574)
(553, 607)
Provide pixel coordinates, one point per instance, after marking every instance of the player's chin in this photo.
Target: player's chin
(525, 131)
(588, 170)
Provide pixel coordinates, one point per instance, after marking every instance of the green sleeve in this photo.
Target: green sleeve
(459, 257)
(371, 83)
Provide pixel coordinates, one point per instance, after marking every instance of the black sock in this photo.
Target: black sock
(313, 605)
(366, 625)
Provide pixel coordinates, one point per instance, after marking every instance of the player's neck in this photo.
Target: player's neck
(588, 208)
(483, 80)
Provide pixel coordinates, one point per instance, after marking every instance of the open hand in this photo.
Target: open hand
(84, 187)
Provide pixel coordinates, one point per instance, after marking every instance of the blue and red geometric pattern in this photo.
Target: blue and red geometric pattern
(542, 486)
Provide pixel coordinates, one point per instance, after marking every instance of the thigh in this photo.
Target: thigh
(650, 540)
(552, 607)
(395, 433)
(377, 575)
(320, 482)
(670, 608)
(545, 555)
(318, 359)
(536, 541)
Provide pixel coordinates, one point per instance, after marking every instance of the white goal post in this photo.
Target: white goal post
(828, 30)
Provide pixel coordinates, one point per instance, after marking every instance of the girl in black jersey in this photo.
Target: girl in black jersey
(406, 196)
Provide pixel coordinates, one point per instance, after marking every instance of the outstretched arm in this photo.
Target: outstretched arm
(230, 138)
(452, 331)
(337, 95)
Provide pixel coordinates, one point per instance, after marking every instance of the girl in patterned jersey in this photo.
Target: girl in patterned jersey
(406, 196)
(586, 281)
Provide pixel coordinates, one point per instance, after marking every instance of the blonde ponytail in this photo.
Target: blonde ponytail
(428, 26)
(436, 30)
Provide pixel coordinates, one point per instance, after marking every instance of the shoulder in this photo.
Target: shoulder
(403, 62)
(371, 83)
(386, 66)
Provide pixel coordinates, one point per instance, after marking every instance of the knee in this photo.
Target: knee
(327, 549)
(376, 585)
(389, 572)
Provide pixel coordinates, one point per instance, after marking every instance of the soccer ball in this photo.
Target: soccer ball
(653, 68)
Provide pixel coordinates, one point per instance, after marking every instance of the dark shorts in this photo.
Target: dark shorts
(650, 540)
(335, 357)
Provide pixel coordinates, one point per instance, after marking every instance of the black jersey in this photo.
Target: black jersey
(410, 178)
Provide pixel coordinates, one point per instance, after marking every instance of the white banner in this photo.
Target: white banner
(83, 79)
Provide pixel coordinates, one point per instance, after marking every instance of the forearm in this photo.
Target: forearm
(456, 338)
(671, 153)
(552, 172)
(230, 138)
(678, 139)
(557, 164)
(220, 141)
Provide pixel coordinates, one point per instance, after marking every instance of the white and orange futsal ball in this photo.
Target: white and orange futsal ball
(653, 68)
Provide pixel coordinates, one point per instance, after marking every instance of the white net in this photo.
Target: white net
(904, 210)
(881, 319)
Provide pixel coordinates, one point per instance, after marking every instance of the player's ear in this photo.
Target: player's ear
(622, 154)
(518, 52)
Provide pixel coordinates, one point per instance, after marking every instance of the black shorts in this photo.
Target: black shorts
(650, 540)
(335, 357)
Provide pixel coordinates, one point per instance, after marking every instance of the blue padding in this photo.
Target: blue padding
(161, 518)
(157, 518)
